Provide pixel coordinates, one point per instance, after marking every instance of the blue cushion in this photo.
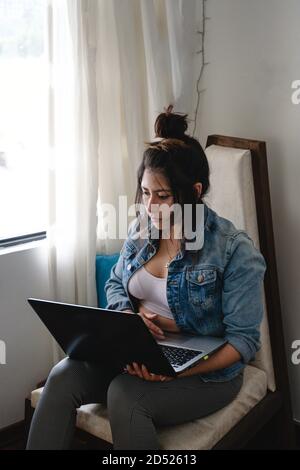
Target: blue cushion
(104, 263)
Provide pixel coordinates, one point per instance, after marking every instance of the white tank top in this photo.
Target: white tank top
(151, 291)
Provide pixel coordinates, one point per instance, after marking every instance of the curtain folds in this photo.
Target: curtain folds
(113, 66)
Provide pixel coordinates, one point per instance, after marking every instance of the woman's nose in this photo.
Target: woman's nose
(153, 204)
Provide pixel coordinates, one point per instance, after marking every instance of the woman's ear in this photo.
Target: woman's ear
(198, 189)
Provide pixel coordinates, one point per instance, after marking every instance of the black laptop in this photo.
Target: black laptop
(118, 338)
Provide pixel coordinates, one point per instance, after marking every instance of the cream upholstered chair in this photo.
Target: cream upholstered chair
(240, 192)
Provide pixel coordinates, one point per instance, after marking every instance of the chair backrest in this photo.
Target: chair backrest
(240, 192)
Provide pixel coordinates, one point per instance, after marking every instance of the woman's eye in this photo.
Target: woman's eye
(162, 197)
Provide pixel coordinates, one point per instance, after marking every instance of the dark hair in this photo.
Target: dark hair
(179, 157)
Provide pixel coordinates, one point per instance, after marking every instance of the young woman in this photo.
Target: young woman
(214, 290)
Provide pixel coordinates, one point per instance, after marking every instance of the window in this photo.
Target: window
(23, 120)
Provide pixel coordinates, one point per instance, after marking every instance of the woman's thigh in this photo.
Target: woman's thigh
(174, 402)
(87, 382)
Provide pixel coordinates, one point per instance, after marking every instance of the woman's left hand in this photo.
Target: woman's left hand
(143, 373)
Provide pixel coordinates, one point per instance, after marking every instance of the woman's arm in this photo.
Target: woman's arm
(242, 296)
(221, 359)
(116, 296)
(225, 357)
(242, 306)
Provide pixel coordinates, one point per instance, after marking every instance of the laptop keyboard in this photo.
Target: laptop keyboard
(178, 356)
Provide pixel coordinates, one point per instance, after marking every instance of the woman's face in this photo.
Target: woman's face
(155, 192)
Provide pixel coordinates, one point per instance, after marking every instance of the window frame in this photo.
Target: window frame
(13, 241)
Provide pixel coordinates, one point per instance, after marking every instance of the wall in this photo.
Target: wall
(254, 54)
(23, 274)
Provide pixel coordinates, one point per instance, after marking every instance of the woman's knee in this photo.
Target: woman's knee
(64, 374)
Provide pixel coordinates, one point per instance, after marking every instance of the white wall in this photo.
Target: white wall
(254, 54)
(23, 274)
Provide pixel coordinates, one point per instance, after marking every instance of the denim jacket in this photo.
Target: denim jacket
(216, 290)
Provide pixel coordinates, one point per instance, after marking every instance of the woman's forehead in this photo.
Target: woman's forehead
(154, 180)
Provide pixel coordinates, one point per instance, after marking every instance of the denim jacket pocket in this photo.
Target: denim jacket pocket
(201, 285)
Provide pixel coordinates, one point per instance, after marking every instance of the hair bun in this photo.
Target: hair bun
(171, 125)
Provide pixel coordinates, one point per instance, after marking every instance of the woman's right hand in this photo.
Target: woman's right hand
(154, 329)
(147, 317)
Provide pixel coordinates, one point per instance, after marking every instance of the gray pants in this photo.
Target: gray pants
(135, 406)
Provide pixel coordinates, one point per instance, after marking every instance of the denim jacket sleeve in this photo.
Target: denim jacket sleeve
(115, 292)
(116, 295)
(242, 301)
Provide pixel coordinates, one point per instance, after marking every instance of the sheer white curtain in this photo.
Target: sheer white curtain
(73, 161)
(146, 51)
(114, 65)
